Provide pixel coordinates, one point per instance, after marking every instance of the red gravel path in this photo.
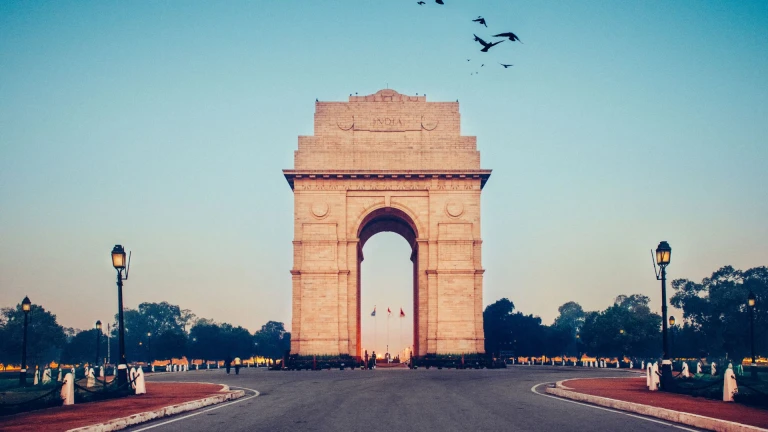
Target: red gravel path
(67, 417)
(634, 390)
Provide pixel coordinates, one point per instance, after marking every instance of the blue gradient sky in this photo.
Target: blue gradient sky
(164, 126)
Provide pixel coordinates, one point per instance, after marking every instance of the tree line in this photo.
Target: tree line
(153, 331)
(715, 322)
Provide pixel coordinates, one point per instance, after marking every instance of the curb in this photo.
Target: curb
(689, 419)
(132, 420)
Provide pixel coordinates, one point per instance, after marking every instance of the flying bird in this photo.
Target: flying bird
(486, 45)
(513, 37)
(420, 3)
(439, 2)
(480, 20)
(505, 65)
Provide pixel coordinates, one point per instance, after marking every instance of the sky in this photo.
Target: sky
(164, 126)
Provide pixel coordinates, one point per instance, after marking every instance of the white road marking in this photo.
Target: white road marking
(533, 389)
(256, 393)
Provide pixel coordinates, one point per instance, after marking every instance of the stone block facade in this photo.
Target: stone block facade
(387, 162)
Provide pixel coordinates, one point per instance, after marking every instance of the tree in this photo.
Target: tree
(45, 337)
(272, 341)
(626, 328)
(506, 330)
(81, 348)
(716, 309)
(163, 321)
(204, 337)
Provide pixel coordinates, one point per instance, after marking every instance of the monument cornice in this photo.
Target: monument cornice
(482, 174)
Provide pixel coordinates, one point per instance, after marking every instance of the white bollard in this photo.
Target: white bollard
(68, 389)
(648, 376)
(686, 374)
(91, 378)
(730, 387)
(46, 376)
(631, 365)
(698, 368)
(59, 378)
(654, 377)
(101, 372)
(37, 377)
(642, 365)
(141, 387)
(132, 376)
(714, 369)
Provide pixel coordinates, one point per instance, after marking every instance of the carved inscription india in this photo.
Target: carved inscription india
(465, 184)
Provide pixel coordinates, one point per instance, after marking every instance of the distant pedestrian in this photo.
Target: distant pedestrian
(367, 366)
(238, 363)
(227, 362)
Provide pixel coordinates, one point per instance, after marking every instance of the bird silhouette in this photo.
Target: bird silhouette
(480, 20)
(486, 45)
(420, 3)
(469, 59)
(513, 37)
(439, 2)
(482, 65)
(505, 65)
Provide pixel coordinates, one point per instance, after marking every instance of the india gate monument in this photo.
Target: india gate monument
(397, 163)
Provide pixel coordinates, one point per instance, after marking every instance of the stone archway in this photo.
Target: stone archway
(387, 162)
(389, 219)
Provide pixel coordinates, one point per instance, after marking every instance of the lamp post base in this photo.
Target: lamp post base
(23, 378)
(122, 374)
(753, 371)
(667, 380)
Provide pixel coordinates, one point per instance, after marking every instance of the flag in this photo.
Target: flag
(373, 314)
(389, 312)
(402, 314)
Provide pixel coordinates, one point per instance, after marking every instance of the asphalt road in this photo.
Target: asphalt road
(401, 400)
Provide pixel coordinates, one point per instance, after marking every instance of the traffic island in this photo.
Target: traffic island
(632, 395)
(161, 400)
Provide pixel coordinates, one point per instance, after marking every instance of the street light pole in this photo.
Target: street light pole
(26, 305)
(663, 255)
(149, 348)
(98, 340)
(751, 303)
(118, 261)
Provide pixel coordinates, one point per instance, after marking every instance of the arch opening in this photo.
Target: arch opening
(395, 221)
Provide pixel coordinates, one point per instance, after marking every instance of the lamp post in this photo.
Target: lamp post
(98, 340)
(663, 255)
(26, 306)
(149, 348)
(119, 263)
(751, 300)
(672, 327)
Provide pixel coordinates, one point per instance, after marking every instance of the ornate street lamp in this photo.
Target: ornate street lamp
(98, 340)
(672, 326)
(119, 263)
(751, 300)
(26, 306)
(149, 348)
(663, 255)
